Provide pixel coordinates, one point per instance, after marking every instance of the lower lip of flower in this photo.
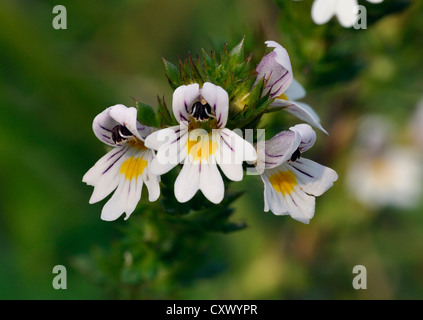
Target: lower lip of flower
(201, 149)
(283, 182)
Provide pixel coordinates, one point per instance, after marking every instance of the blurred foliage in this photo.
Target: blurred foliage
(54, 82)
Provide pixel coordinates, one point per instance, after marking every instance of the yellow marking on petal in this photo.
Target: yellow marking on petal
(133, 167)
(203, 149)
(283, 182)
(283, 97)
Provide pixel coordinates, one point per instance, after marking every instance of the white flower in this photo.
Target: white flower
(391, 178)
(345, 10)
(200, 142)
(381, 172)
(276, 69)
(291, 182)
(124, 168)
(416, 125)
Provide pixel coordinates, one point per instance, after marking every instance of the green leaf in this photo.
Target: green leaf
(146, 114)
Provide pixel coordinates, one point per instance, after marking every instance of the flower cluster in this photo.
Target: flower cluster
(212, 103)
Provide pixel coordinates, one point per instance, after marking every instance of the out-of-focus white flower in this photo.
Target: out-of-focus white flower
(345, 10)
(416, 125)
(276, 69)
(291, 182)
(124, 168)
(200, 142)
(382, 173)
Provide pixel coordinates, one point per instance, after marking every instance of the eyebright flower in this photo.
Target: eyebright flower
(124, 168)
(280, 84)
(345, 10)
(382, 172)
(200, 142)
(291, 182)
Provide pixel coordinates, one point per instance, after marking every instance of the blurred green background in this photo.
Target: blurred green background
(54, 82)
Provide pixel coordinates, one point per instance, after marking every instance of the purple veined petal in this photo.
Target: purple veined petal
(116, 205)
(171, 145)
(301, 110)
(183, 99)
(272, 201)
(235, 150)
(279, 149)
(132, 174)
(218, 99)
(103, 124)
(286, 196)
(323, 10)
(313, 178)
(144, 131)
(104, 175)
(308, 136)
(276, 68)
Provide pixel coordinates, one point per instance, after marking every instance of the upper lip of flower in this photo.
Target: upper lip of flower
(190, 102)
(276, 68)
(118, 123)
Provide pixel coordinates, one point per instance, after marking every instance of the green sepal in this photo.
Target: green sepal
(165, 118)
(172, 74)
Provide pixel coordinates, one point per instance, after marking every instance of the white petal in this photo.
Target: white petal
(323, 10)
(375, 1)
(102, 126)
(218, 99)
(151, 180)
(128, 193)
(211, 183)
(313, 178)
(152, 183)
(116, 205)
(346, 12)
(301, 206)
(301, 110)
(170, 144)
(234, 149)
(272, 201)
(295, 91)
(188, 182)
(226, 158)
(308, 136)
(183, 99)
(126, 117)
(104, 176)
(294, 202)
